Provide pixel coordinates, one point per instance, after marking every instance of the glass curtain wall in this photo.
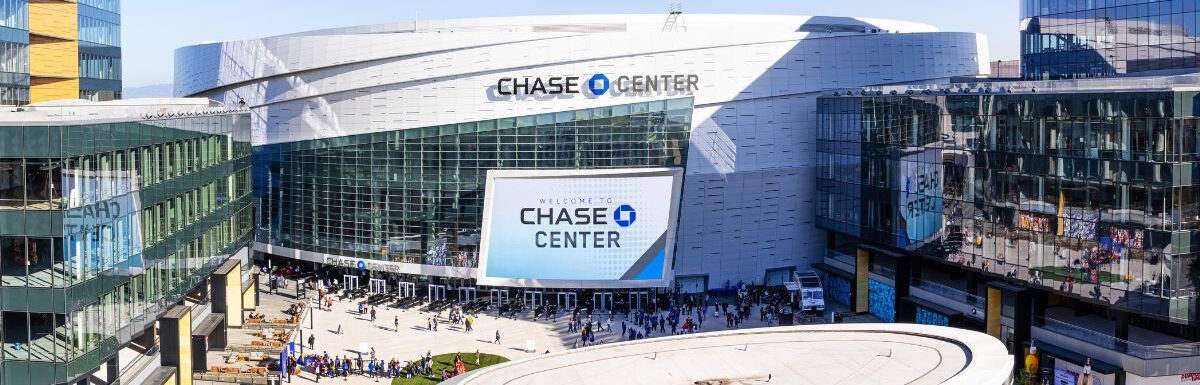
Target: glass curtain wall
(14, 52)
(1063, 39)
(102, 226)
(419, 192)
(99, 50)
(1083, 194)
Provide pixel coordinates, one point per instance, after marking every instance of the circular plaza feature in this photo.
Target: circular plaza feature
(825, 354)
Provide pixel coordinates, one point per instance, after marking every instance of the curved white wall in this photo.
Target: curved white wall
(748, 199)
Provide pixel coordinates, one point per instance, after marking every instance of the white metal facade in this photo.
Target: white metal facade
(748, 198)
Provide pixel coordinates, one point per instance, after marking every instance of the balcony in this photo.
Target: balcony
(1095, 330)
(842, 261)
(970, 305)
(1145, 352)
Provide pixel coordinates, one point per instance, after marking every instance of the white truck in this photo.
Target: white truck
(810, 293)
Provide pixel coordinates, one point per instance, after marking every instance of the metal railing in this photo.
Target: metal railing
(1145, 352)
(883, 271)
(977, 303)
(840, 257)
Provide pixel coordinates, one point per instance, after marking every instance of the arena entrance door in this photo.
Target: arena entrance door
(602, 301)
(499, 297)
(466, 294)
(407, 289)
(567, 301)
(533, 298)
(350, 281)
(638, 300)
(437, 292)
(376, 286)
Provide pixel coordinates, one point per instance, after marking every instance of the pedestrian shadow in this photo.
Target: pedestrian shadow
(418, 328)
(286, 295)
(386, 328)
(484, 341)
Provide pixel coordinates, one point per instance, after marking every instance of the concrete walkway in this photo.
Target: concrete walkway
(413, 339)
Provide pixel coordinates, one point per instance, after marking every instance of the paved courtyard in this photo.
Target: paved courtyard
(413, 339)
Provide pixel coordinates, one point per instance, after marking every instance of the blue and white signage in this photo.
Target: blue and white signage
(579, 228)
(598, 85)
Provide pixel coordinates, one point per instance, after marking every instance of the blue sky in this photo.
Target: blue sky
(152, 29)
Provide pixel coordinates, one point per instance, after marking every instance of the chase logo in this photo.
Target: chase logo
(624, 215)
(599, 84)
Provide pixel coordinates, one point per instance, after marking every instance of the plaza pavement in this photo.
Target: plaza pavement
(413, 340)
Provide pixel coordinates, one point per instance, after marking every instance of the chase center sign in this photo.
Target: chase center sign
(579, 228)
(598, 85)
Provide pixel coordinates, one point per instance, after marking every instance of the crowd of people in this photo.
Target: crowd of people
(324, 365)
(666, 314)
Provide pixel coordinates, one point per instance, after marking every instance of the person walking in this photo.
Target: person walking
(396, 322)
(310, 341)
(497, 336)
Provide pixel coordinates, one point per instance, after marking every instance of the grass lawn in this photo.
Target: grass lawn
(446, 361)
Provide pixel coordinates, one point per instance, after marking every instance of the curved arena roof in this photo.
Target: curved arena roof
(824, 354)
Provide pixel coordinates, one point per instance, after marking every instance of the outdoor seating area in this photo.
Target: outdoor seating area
(233, 362)
(261, 371)
(271, 337)
(276, 321)
(232, 378)
(252, 357)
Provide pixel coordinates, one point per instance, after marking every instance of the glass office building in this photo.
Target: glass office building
(14, 52)
(1085, 195)
(99, 50)
(1065, 39)
(51, 50)
(416, 195)
(108, 217)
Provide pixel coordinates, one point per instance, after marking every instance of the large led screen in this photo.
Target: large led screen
(579, 228)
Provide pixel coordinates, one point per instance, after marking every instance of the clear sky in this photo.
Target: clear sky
(152, 29)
